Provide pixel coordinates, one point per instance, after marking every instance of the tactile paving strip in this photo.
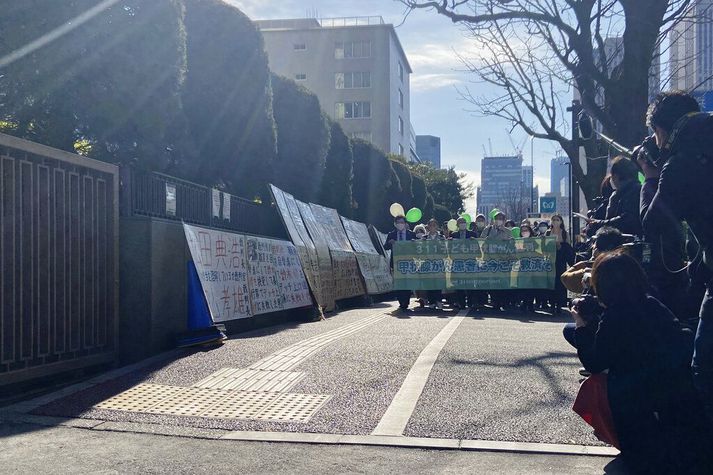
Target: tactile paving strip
(139, 398)
(251, 380)
(241, 405)
(293, 407)
(216, 403)
(189, 402)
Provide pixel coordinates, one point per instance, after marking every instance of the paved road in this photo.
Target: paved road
(58, 450)
(497, 377)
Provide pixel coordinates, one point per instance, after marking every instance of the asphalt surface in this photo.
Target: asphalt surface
(503, 377)
(60, 450)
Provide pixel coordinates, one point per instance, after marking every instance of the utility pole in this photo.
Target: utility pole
(576, 109)
(532, 165)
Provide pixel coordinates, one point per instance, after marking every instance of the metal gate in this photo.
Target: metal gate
(59, 260)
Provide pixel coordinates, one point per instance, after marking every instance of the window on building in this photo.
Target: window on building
(352, 110)
(300, 77)
(401, 126)
(299, 46)
(352, 49)
(353, 80)
(362, 135)
(401, 150)
(401, 99)
(401, 72)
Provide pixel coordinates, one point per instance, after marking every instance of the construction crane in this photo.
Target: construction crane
(518, 149)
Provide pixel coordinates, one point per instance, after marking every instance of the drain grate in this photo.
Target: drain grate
(293, 407)
(241, 405)
(139, 398)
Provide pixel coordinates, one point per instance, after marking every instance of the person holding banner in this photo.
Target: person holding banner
(480, 224)
(565, 258)
(401, 233)
(497, 230)
(463, 297)
(433, 234)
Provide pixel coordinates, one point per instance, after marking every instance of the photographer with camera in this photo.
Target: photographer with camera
(623, 208)
(657, 413)
(577, 279)
(677, 162)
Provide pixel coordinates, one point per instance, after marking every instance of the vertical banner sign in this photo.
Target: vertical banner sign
(220, 261)
(245, 276)
(374, 267)
(290, 213)
(170, 199)
(216, 202)
(475, 264)
(322, 249)
(226, 206)
(348, 280)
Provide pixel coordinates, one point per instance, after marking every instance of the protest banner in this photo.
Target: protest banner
(347, 277)
(373, 266)
(326, 274)
(290, 213)
(275, 276)
(219, 258)
(475, 264)
(245, 276)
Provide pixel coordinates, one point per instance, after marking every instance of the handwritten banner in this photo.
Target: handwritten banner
(220, 261)
(373, 266)
(287, 206)
(242, 277)
(322, 249)
(347, 277)
(475, 264)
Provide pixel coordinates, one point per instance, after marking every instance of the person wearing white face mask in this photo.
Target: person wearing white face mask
(463, 233)
(527, 296)
(480, 224)
(497, 230)
(401, 233)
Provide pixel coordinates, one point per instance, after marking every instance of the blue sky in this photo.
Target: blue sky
(436, 107)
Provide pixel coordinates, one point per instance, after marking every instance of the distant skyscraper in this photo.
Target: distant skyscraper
(357, 68)
(428, 149)
(528, 189)
(501, 186)
(559, 176)
(691, 51)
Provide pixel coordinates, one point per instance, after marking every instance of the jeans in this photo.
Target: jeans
(568, 333)
(703, 347)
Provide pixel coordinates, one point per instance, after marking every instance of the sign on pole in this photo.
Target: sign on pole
(548, 204)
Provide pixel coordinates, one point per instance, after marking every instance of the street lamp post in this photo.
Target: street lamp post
(532, 166)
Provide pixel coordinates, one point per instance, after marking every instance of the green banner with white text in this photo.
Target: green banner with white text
(480, 264)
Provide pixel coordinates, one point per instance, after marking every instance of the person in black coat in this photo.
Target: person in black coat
(680, 167)
(564, 259)
(401, 233)
(657, 414)
(464, 297)
(623, 208)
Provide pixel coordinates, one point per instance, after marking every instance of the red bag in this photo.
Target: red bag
(592, 405)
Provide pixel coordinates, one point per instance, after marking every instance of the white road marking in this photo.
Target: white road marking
(402, 406)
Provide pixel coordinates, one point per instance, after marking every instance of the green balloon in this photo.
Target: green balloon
(467, 218)
(515, 232)
(493, 213)
(642, 178)
(414, 215)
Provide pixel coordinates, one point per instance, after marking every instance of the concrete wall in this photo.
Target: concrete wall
(152, 272)
(153, 308)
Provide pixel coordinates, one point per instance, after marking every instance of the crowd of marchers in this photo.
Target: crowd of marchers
(643, 270)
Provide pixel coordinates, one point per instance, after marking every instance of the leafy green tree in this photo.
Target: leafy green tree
(373, 181)
(110, 82)
(404, 193)
(228, 99)
(441, 213)
(336, 189)
(302, 139)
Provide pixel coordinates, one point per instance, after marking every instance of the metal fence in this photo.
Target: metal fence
(59, 260)
(163, 196)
